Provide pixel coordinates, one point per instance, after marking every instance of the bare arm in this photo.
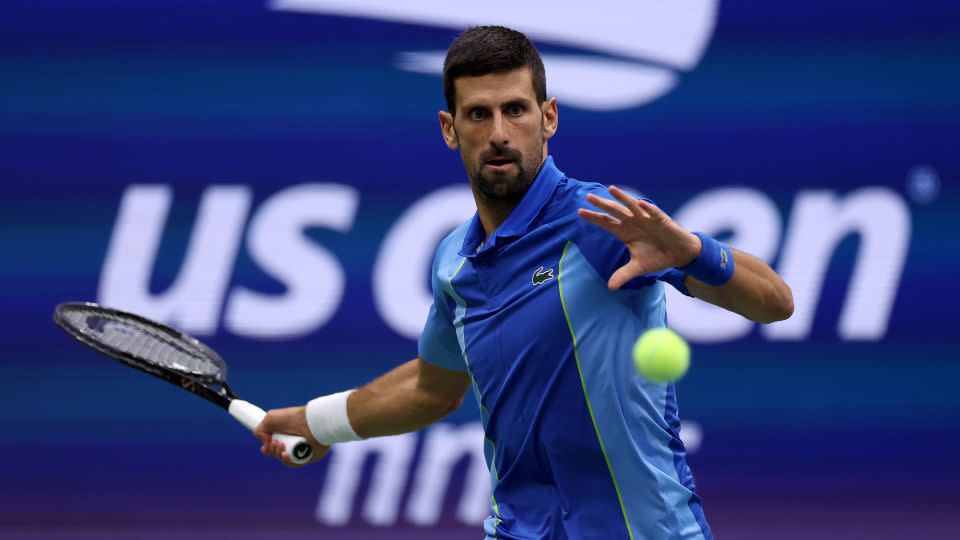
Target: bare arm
(755, 291)
(656, 243)
(406, 398)
(410, 397)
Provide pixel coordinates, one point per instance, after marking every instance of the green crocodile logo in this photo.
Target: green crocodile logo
(539, 276)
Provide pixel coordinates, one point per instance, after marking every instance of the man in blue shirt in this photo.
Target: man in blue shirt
(537, 302)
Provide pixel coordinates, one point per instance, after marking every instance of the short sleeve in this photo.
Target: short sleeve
(438, 344)
(606, 253)
(675, 277)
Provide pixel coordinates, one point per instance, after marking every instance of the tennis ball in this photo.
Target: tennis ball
(661, 355)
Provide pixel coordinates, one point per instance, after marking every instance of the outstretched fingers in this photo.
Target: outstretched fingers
(604, 221)
(628, 201)
(653, 210)
(616, 209)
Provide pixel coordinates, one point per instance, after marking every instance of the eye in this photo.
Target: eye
(477, 114)
(515, 109)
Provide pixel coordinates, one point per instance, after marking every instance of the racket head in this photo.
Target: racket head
(147, 345)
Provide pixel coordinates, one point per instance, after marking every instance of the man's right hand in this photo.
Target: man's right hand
(293, 421)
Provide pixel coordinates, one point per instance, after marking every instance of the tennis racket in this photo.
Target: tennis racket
(169, 354)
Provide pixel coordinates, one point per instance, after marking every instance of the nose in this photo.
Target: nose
(498, 132)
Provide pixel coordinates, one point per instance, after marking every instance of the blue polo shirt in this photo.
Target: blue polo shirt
(579, 445)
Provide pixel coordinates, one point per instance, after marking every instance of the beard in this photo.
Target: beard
(506, 186)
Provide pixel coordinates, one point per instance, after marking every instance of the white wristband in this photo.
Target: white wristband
(328, 421)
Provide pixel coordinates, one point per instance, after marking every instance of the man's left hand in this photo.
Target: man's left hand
(655, 241)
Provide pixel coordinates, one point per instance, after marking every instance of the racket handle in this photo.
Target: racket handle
(250, 416)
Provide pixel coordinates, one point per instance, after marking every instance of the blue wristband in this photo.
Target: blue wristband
(715, 264)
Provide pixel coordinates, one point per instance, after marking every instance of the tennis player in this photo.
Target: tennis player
(537, 302)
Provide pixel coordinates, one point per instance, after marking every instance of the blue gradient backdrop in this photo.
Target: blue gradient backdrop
(820, 437)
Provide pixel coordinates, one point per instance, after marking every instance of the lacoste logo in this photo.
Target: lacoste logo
(723, 259)
(539, 276)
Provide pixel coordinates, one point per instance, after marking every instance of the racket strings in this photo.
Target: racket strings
(144, 342)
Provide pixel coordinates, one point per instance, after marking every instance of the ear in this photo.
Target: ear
(551, 118)
(446, 128)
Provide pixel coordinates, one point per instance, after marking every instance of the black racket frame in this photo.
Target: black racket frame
(211, 388)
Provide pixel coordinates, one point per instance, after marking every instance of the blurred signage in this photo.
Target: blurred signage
(633, 51)
(314, 279)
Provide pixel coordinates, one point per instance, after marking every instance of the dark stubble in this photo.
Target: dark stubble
(506, 187)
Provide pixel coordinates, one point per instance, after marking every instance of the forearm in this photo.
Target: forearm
(755, 291)
(400, 401)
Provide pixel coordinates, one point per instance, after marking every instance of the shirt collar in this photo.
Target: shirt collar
(521, 218)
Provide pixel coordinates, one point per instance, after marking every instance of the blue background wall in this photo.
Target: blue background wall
(825, 435)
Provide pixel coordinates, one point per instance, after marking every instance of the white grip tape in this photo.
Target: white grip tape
(250, 416)
(246, 413)
(328, 420)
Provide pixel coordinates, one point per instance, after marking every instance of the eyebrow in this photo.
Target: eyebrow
(512, 101)
(516, 101)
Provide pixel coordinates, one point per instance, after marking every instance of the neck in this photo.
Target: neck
(492, 212)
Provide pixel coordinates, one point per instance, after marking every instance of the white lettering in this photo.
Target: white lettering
(315, 280)
(407, 253)
(393, 460)
(755, 224)
(193, 301)
(445, 445)
(820, 221)
(313, 277)
(431, 473)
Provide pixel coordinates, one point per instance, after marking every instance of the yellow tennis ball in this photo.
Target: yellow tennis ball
(661, 355)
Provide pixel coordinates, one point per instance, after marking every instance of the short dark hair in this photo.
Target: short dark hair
(481, 50)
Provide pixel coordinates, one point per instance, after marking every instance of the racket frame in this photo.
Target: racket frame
(197, 384)
(211, 388)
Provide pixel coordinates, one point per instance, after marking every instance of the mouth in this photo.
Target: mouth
(499, 164)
